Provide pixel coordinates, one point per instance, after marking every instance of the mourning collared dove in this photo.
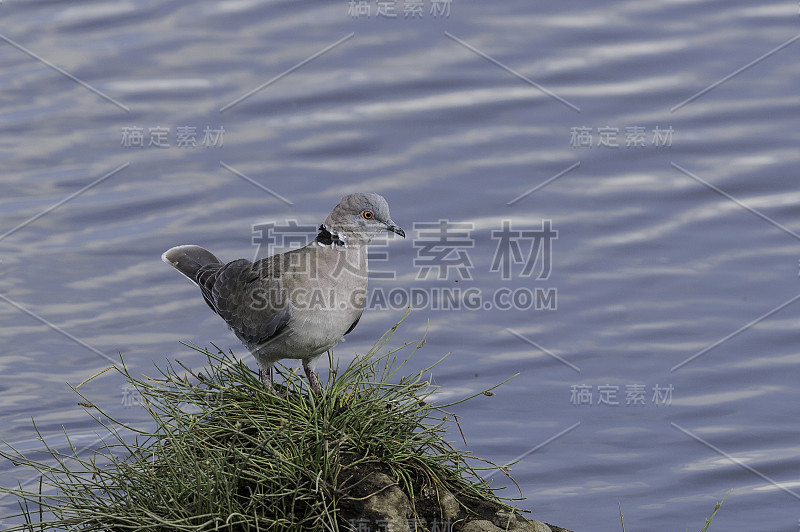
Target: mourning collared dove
(297, 304)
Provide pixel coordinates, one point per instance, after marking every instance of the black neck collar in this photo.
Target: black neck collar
(328, 237)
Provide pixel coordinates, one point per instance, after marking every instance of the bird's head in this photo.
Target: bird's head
(359, 217)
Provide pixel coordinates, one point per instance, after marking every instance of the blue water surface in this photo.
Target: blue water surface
(655, 343)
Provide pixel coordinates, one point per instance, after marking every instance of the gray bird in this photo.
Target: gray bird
(297, 304)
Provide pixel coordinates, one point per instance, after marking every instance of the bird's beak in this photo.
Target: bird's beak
(394, 228)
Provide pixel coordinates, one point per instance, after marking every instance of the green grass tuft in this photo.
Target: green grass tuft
(226, 454)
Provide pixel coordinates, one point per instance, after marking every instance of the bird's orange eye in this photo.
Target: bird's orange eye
(367, 214)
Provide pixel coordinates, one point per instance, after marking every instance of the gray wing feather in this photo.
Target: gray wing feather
(249, 297)
(204, 277)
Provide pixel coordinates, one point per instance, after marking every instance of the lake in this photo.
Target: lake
(601, 197)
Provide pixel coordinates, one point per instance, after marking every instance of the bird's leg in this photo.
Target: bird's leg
(312, 378)
(266, 377)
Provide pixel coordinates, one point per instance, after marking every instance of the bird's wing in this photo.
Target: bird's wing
(249, 297)
(204, 278)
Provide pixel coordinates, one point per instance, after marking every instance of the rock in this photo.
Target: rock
(441, 503)
(388, 505)
(480, 525)
(376, 503)
(505, 520)
(536, 526)
(555, 528)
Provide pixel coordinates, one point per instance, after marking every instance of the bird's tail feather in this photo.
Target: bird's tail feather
(189, 259)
